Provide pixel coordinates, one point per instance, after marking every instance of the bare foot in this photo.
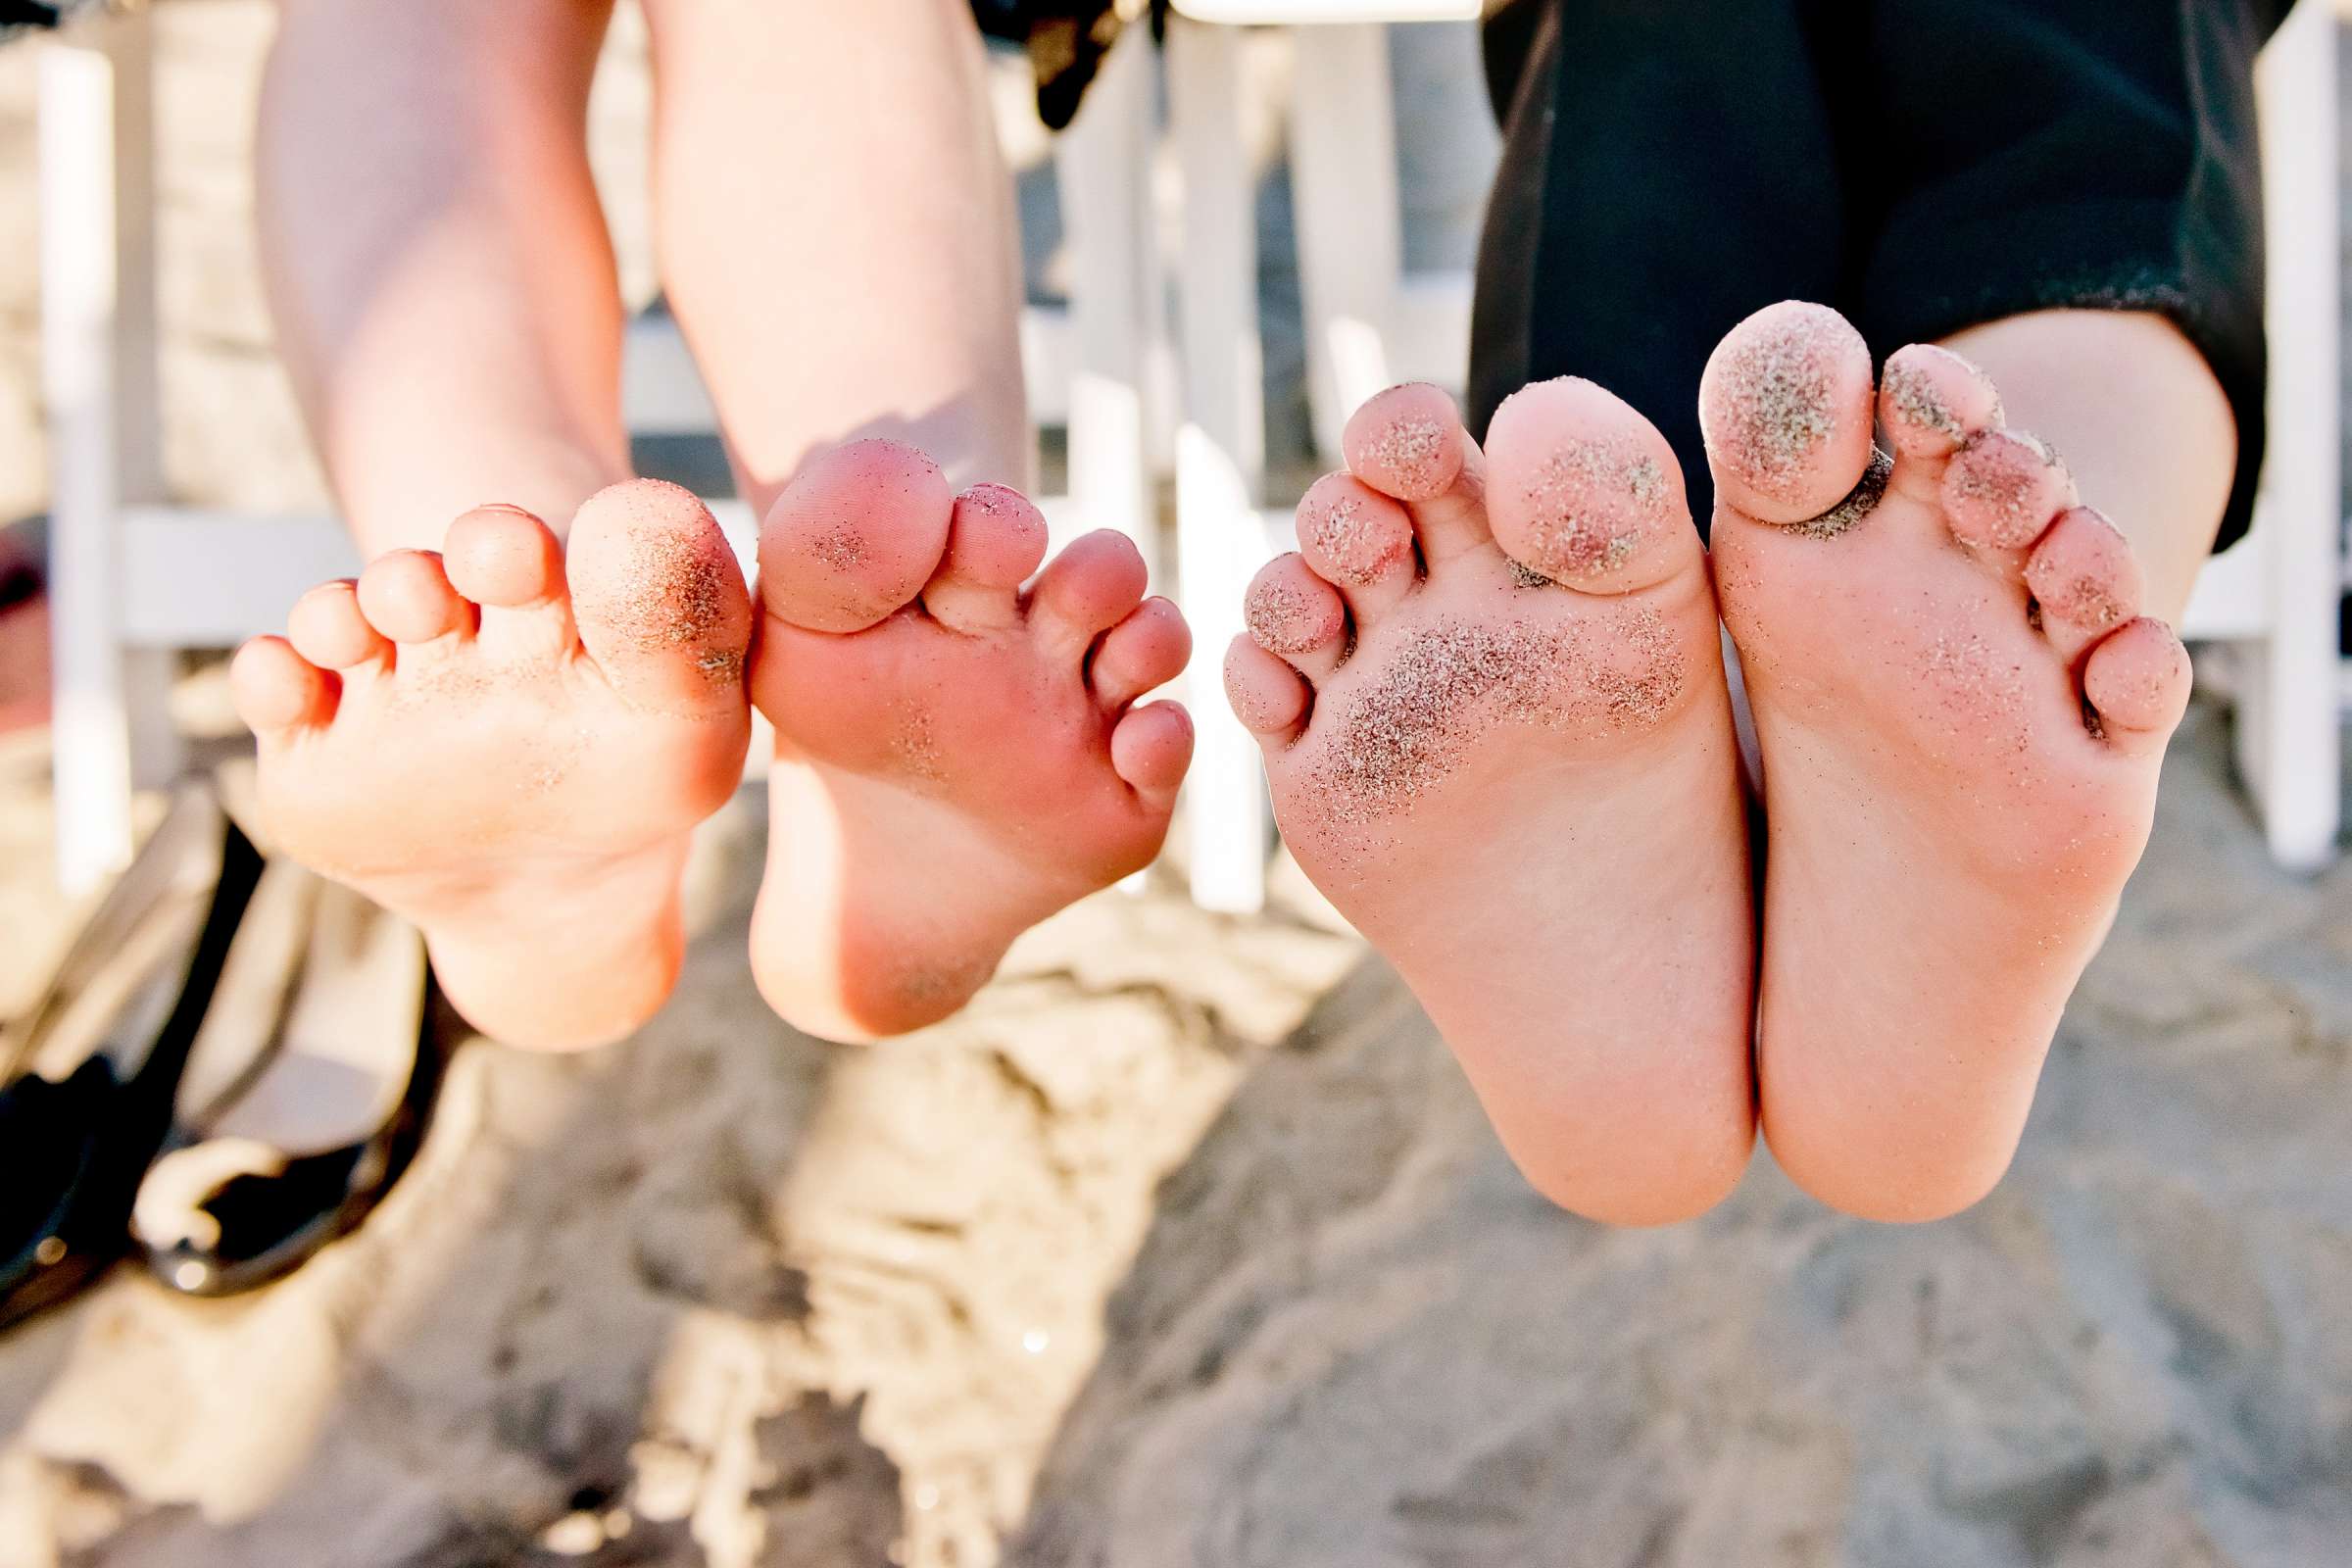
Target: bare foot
(956, 758)
(1961, 712)
(1491, 700)
(508, 743)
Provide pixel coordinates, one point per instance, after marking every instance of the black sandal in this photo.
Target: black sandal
(91, 1073)
(278, 1151)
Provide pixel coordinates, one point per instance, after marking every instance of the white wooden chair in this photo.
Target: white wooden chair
(2273, 597)
(135, 578)
(1343, 189)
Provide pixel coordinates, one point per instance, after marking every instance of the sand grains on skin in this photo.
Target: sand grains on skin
(1499, 740)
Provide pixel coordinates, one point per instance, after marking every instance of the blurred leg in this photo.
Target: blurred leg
(836, 230)
(438, 265)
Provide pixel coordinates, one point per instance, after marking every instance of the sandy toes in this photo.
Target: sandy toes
(1491, 702)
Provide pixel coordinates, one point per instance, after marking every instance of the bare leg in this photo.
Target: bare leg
(836, 230)
(510, 742)
(956, 758)
(438, 268)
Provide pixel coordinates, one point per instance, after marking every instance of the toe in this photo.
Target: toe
(2137, 682)
(503, 556)
(325, 628)
(275, 689)
(854, 537)
(1297, 616)
(1146, 650)
(995, 539)
(2085, 580)
(1408, 443)
(1931, 401)
(1358, 540)
(1584, 490)
(2001, 491)
(1151, 749)
(406, 595)
(1086, 590)
(1786, 408)
(508, 564)
(1268, 695)
(660, 602)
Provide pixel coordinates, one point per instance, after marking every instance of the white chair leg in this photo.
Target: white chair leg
(1220, 455)
(1343, 189)
(94, 131)
(2293, 716)
(1105, 212)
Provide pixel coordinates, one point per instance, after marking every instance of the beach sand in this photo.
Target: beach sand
(1187, 1245)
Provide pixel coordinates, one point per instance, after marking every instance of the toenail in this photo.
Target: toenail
(1859, 503)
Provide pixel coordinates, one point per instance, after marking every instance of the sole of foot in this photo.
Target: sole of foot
(959, 749)
(1490, 696)
(509, 744)
(1961, 713)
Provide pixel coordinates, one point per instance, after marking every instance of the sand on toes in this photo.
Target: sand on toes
(508, 743)
(1961, 713)
(1491, 704)
(961, 750)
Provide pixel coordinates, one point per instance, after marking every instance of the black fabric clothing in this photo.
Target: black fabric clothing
(1672, 166)
(1065, 40)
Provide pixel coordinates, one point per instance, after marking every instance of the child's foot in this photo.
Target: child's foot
(1491, 700)
(956, 758)
(1961, 714)
(508, 744)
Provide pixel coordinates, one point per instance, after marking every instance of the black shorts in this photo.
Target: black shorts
(1671, 165)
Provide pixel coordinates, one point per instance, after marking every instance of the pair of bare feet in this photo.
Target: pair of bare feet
(1493, 710)
(511, 741)
(1492, 700)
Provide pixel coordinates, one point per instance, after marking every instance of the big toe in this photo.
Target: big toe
(1584, 490)
(1787, 409)
(659, 601)
(854, 536)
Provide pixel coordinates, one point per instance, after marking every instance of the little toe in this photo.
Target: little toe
(1408, 442)
(1085, 591)
(325, 628)
(2085, 580)
(1151, 748)
(995, 539)
(1297, 616)
(854, 537)
(1146, 650)
(2137, 683)
(1358, 540)
(1584, 491)
(660, 602)
(1268, 695)
(1787, 412)
(275, 689)
(2001, 492)
(407, 596)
